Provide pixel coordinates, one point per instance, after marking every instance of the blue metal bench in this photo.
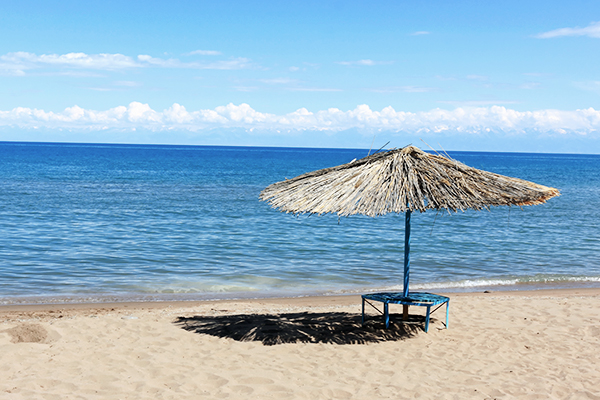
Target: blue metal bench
(413, 299)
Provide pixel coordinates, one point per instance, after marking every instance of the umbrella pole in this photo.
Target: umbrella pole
(406, 261)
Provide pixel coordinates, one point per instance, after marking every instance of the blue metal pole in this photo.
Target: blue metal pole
(406, 251)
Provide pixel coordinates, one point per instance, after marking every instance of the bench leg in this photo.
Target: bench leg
(427, 319)
(386, 315)
(404, 312)
(363, 311)
(447, 310)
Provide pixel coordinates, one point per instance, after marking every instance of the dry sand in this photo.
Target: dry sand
(525, 345)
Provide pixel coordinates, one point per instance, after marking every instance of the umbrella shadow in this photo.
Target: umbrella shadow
(333, 327)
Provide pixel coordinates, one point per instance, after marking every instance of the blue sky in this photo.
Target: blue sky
(470, 75)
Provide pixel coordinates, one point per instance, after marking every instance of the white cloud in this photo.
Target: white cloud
(405, 89)
(419, 33)
(117, 86)
(415, 89)
(306, 66)
(367, 62)
(21, 61)
(159, 62)
(73, 73)
(177, 114)
(138, 112)
(236, 63)
(593, 86)
(309, 89)
(102, 89)
(530, 85)
(473, 120)
(359, 62)
(128, 83)
(204, 53)
(593, 31)
(18, 63)
(445, 78)
(278, 81)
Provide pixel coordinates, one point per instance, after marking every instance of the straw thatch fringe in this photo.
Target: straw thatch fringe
(400, 180)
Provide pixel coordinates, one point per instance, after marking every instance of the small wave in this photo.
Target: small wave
(241, 283)
(196, 291)
(200, 288)
(509, 283)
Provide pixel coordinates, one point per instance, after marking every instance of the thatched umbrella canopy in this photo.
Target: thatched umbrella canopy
(401, 181)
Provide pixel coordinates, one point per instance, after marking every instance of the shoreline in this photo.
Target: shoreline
(130, 298)
(464, 286)
(277, 302)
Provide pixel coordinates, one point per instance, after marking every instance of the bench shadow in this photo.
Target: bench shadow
(332, 327)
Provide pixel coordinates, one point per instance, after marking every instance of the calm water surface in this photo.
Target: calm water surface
(86, 222)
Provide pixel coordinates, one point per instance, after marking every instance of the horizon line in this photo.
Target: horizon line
(276, 147)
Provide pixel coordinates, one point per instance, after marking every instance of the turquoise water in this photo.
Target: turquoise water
(94, 223)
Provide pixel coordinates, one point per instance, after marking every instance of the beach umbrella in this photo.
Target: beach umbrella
(401, 181)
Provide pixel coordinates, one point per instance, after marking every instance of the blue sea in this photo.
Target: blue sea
(98, 223)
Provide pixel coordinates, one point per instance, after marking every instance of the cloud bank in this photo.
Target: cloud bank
(476, 120)
(593, 31)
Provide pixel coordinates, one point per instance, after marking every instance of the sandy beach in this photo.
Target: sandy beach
(502, 345)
